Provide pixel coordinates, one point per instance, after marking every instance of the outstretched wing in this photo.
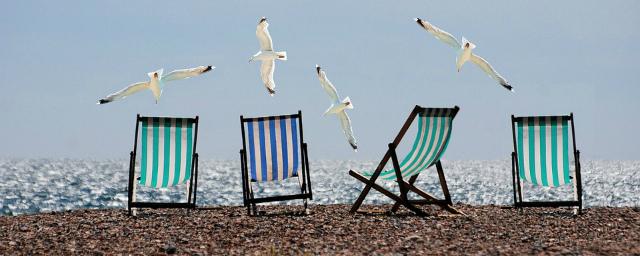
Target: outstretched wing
(131, 89)
(327, 85)
(262, 32)
(346, 128)
(186, 73)
(438, 33)
(487, 68)
(266, 73)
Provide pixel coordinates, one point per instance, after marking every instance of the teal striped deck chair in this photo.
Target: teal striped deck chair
(541, 157)
(432, 137)
(167, 158)
(273, 150)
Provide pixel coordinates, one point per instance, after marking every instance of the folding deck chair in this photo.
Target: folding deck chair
(432, 138)
(541, 156)
(168, 158)
(273, 149)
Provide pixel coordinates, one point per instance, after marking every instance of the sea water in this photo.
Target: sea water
(44, 185)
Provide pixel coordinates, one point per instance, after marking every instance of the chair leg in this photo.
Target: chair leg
(443, 204)
(443, 183)
(363, 193)
(396, 205)
(386, 193)
(132, 211)
(255, 209)
(367, 187)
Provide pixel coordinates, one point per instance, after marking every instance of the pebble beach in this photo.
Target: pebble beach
(325, 230)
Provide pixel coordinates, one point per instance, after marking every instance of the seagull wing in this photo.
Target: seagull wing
(327, 85)
(438, 33)
(186, 73)
(131, 89)
(262, 32)
(346, 128)
(266, 73)
(487, 68)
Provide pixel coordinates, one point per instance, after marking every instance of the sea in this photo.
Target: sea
(29, 186)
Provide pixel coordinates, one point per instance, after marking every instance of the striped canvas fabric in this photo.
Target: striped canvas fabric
(273, 148)
(167, 148)
(432, 138)
(543, 150)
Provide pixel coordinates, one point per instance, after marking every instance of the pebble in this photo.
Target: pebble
(329, 229)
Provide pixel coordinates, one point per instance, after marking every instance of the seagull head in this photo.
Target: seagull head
(466, 44)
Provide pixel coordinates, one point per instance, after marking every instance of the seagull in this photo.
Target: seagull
(464, 52)
(156, 83)
(267, 56)
(338, 107)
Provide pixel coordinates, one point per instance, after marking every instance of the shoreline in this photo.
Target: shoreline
(328, 229)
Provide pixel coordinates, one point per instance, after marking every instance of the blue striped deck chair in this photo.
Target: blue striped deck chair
(432, 137)
(167, 158)
(273, 150)
(541, 157)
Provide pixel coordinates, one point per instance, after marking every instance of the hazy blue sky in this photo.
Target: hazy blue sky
(58, 58)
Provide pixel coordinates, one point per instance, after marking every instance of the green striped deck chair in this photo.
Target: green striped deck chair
(541, 157)
(167, 158)
(434, 131)
(273, 150)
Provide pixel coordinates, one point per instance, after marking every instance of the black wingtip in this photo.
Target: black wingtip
(355, 147)
(419, 21)
(207, 69)
(103, 101)
(271, 91)
(318, 69)
(508, 86)
(263, 19)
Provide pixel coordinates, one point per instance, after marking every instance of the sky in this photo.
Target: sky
(58, 58)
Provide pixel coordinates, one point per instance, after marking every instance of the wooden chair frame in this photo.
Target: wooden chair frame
(192, 185)
(405, 186)
(518, 201)
(304, 180)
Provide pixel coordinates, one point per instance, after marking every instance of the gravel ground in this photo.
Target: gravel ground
(328, 229)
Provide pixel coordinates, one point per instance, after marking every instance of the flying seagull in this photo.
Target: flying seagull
(338, 107)
(267, 56)
(156, 83)
(464, 52)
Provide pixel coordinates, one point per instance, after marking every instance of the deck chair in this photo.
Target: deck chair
(273, 149)
(432, 138)
(168, 158)
(541, 156)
